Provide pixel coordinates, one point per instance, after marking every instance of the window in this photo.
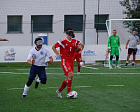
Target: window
(42, 23)
(73, 21)
(100, 23)
(14, 24)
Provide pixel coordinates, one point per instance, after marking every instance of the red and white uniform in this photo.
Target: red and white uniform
(78, 56)
(67, 50)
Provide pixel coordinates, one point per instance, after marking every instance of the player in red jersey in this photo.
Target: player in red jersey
(67, 45)
(78, 56)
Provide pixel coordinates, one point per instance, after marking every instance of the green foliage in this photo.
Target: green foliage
(132, 12)
(132, 8)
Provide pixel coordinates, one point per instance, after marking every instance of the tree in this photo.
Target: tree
(132, 12)
(132, 8)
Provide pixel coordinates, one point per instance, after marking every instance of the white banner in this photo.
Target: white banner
(91, 53)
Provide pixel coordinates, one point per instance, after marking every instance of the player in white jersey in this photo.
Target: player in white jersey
(36, 58)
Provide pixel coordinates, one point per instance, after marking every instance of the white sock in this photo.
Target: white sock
(38, 80)
(126, 61)
(26, 88)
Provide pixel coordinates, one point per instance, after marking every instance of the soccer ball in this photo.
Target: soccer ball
(82, 63)
(74, 93)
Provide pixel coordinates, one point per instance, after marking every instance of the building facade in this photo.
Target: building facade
(53, 17)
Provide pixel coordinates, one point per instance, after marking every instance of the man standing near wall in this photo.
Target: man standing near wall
(133, 41)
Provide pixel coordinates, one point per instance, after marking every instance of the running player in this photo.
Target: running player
(78, 56)
(67, 45)
(36, 58)
(114, 43)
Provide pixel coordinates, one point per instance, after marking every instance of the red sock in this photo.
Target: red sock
(79, 68)
(69, 83)
(64, 84)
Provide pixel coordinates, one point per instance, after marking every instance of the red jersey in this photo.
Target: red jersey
(67, 48)
(78, 42)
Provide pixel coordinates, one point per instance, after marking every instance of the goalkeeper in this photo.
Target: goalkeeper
(114, 45)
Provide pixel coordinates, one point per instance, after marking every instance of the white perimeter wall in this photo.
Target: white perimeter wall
(91, 53)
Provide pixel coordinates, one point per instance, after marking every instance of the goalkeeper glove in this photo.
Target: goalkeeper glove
(120, 49)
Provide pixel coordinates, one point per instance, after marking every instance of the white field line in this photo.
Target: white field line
(49, 87)
(14, 88)
(90, 67)
(129, 68)
(105, 73)
(115, 85)
(13, 73)
(53, 68)
(82, 86)
(7, 72)
(22, 69)
(74, 73)
(57, 87)
(29, 68)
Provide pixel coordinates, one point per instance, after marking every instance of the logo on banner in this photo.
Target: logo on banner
(89, 53)
(10, 55)
(44, 37)
(57, 58)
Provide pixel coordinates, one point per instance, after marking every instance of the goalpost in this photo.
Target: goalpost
(124, 29)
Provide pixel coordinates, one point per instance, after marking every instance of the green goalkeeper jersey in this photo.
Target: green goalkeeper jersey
(114, 41)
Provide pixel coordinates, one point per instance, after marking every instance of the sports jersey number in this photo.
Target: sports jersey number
(70, 48)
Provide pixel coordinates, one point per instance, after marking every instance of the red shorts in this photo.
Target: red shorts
(67, 66)
(78, 57)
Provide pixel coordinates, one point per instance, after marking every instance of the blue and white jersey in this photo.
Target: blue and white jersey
(39, 56)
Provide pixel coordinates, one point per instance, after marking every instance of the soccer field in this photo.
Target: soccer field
(99, 90)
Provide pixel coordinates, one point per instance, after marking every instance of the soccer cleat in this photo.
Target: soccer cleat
(69, 95)
(126, 64)
(58, 93)
(78, 73)
(110, 67)
(36, 83)
(117, 67)
(23, 96)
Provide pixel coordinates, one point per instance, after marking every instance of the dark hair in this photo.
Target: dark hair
(69, 29)
(36, 39)
(114, 30)
(135, 30)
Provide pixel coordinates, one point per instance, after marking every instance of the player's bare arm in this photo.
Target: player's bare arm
(82, 47)
(127, 44)
(56, 52)
(30, 62)
(4, 39)
(51, 60)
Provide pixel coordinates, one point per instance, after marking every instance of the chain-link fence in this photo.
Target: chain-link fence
(53, 17)
(27, 36)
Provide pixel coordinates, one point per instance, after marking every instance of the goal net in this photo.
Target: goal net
(124, 29)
